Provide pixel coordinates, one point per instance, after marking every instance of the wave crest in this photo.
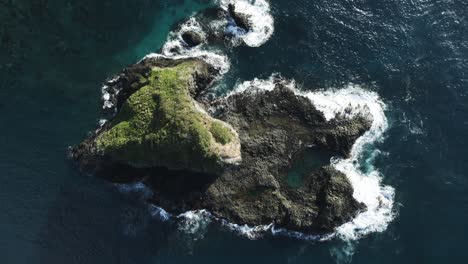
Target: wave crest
(260, 19)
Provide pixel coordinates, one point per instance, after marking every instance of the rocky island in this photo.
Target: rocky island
(254, 157)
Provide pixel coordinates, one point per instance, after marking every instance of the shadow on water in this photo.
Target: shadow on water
(91, 222)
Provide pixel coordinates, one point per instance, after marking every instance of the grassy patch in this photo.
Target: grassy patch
(159, 125)
(221, 133)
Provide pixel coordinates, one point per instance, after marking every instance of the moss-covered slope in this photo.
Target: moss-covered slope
(162, 125)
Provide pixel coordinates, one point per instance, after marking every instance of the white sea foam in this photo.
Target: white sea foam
(251, 232)
(175, 45)
(102, 122)
(262, 85)
(260, 18)
(195, 223)
(368, 189)
(175, 48)
(106, 97)
(109, 93)
(159, 213)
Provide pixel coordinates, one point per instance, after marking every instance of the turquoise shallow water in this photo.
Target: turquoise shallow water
(54, 55)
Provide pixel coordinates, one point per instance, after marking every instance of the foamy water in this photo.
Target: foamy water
(175, 45)
(260, 18)
(368, 188)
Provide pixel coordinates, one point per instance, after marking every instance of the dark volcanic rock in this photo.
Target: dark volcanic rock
(275, 128)
(241, 20)
(192, 38)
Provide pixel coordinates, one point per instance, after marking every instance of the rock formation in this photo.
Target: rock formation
(234, 156)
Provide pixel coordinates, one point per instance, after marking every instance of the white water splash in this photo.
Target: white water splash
(368, 189)
(260, 20)
(175, 44)
(195, 223)
(259, 85)
(251, 232)
(108, 94)
(159, 213)
(175, 48)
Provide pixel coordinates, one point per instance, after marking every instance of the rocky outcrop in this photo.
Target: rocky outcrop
(275, 129)
(192, 39)
(159, 123)
(241, 20)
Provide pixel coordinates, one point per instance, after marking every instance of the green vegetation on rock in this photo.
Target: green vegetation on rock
(162, 125)
(220, 133)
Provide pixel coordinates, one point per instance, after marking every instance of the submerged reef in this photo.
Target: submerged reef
(234, 156)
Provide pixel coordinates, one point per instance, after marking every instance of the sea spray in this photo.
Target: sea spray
(159, 213)
(368, 188)
(175, 45)
(260, 20)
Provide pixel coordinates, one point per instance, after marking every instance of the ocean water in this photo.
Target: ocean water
(407, 59)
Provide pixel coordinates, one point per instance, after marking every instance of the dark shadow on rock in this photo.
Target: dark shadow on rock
(177, 191)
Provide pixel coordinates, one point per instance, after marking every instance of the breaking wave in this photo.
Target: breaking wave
(260, 20)
(368, 188)
(175, 45)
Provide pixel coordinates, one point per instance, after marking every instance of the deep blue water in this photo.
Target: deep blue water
(54, 56)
